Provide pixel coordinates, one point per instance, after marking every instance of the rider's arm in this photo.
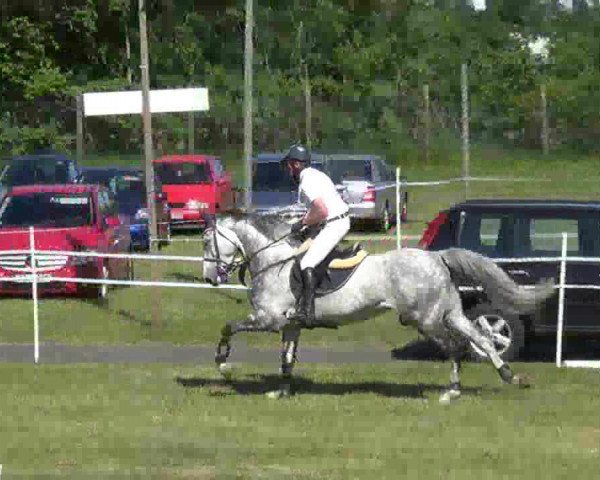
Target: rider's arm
(317, 212)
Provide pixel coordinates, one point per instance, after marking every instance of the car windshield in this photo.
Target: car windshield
(36, 172)
(270, 177)
(102, 176)
(182, 173)
(348, 169)
(47, 209)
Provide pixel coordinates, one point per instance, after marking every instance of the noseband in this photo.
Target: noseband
(225, 269)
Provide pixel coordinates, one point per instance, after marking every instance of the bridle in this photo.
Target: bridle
(225, 269)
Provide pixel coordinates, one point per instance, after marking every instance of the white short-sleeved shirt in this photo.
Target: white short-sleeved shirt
(315, 184)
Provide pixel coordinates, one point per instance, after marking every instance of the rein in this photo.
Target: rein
(243, 264)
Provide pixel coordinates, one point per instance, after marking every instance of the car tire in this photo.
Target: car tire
(509, 332)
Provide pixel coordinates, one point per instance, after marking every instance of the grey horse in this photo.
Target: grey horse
(421, 286)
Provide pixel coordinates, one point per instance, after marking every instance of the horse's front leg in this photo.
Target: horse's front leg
(289, 346)
(253, 323)
(453, 391)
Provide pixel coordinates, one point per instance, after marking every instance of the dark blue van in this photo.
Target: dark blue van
(272, 189)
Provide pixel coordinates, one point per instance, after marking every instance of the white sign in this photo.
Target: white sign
(161, 101)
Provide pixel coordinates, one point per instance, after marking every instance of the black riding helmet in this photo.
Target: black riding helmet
(296, 152)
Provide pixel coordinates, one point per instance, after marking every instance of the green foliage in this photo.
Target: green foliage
(366, 64)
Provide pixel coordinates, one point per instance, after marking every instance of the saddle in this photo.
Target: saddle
(332, 273)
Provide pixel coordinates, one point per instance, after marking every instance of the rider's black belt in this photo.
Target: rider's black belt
(339, 217)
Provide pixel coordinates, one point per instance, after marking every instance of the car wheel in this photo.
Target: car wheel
(385, 221)
(507, 332)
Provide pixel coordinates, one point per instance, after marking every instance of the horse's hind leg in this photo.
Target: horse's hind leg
(453, 391)
(461, 324)
(289, 346)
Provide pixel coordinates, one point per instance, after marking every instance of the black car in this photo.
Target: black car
(512, 229)
(104, 175)
(40, 168)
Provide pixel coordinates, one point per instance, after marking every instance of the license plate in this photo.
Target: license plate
(177, 215)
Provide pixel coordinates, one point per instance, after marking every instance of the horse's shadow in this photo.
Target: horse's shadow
(261, 384)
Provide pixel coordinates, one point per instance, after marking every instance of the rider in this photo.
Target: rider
(326, 210)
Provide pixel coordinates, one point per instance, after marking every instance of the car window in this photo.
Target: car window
(349, 169)
(489, 234)
(47, 209)
(218, 168)
(37, 172)
(182, 173)
(270, 177)
(521, 235)
(546, 236)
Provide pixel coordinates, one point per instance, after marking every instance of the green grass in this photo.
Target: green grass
(351, 421)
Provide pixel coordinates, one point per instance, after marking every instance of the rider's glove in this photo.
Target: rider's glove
(297, 227)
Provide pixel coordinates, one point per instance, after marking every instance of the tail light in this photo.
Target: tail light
(432, 230)
(369, 195)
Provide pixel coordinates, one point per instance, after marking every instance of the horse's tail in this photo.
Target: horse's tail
(471, 268)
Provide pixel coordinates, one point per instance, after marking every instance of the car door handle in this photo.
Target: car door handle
(519, 272)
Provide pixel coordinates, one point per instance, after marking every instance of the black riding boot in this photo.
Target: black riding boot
(305, 309)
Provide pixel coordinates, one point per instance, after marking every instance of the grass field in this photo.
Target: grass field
(351, 421)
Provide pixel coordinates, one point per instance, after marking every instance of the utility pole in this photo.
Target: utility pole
(544, 113)
(308, 104)
(147, 121)
(147, 125)
(248, 61)
(464, 90)
(79, 140)
(426, 125)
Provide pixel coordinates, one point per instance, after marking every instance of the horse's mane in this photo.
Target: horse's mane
(271, 225)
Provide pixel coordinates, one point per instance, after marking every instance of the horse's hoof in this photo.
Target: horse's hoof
(522, 381)
(278, 394)
(448, 396)
(226, 371)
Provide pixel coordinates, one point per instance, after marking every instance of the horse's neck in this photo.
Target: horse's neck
(260, 248)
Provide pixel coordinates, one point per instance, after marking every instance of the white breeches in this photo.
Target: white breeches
(324, 242)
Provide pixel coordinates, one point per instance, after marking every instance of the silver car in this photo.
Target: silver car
(368, 185)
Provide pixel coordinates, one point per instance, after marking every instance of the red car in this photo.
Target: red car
(65, 218)
(195, 185)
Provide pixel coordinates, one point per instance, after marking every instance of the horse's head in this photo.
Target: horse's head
(223, 252)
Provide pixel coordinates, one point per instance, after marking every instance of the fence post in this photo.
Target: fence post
(561, 299)
(34, 294)
(398, 216)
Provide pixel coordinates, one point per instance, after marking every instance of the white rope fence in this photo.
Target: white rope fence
(32, 275)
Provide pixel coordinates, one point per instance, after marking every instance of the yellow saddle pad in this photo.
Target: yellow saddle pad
(337, 263)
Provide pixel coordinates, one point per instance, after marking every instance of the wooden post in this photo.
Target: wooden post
(544, 114)
(464, 89)
(248, 61)
(147, 119)
(191, 128)
(79, 140)
(308, 101)
(149, 168)
(425, 125)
